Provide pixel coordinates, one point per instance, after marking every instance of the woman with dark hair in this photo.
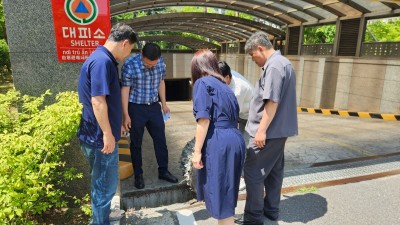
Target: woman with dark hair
(219, 149)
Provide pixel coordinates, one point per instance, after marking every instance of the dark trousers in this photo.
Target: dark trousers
(263, 170)
(149, 116)
(242, 128)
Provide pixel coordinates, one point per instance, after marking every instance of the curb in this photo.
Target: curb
(125, 162)
(125, 171)
(338, 174)
(393, 117)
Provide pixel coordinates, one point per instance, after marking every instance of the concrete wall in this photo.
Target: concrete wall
(33, 51)
(337, 83)
(181, 67)
(353, 84)
(390, 101)
(35, 67)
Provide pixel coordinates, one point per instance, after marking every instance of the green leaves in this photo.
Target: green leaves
(383, 30)
(320, 34)
(32, 138)
(379, 30)
(5, 64)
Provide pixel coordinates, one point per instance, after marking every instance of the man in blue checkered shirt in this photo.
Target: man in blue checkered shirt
(142, 82)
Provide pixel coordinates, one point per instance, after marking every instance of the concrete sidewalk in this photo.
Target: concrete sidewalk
(370, 202)
(328, 149)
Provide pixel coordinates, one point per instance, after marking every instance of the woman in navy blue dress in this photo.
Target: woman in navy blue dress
(219, 149)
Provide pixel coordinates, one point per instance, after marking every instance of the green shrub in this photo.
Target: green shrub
(32, 140)
(5, 65)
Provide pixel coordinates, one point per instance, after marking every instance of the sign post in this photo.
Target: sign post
(80, 25)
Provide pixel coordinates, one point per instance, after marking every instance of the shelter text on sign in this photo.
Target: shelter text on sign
(80, 25)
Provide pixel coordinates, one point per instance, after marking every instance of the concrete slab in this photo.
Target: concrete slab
(368, 202)
(180, 129)
(322, 138)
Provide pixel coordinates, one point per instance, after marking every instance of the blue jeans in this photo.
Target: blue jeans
(104, 181)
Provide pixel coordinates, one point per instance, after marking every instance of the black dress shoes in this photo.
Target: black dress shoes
(139, 182)
(168, 177)
(240, 220)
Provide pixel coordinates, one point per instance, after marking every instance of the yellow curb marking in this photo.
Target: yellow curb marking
(124, 151)
(388, 117)
(391, 117)
(311, 110)
(364, 115)
(326, 111)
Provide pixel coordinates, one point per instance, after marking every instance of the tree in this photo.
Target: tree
(383, 30)
(320, 34)
(4, 58)
(3, 34)
(193, 9)
(5, 66)
(122, 17)
(179, 9)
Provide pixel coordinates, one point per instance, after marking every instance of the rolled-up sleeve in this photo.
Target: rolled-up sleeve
(127, 72)
(163, 68)
(202, 101)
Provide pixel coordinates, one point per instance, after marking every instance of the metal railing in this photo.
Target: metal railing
(317, 49)
(381, 49)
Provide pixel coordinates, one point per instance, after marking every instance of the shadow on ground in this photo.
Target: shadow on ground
(303, 208)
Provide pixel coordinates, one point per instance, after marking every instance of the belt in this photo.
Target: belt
(224, 124)
(150, 103)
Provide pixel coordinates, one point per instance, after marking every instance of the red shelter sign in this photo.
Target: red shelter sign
(80, 25)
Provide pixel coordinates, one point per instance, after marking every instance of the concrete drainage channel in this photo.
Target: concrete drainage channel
(159, 197)
(165, 195)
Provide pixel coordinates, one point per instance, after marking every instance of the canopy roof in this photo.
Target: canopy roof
(192, 43)
(271, 16)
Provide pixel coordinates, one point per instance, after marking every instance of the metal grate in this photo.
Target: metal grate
(294, 34)
(280, 48)
(241, 48)
(233, 48)
(223, 48)
(348, 37)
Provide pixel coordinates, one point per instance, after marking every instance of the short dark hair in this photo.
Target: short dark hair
(121, 31)
(151, 51)
(225, 69)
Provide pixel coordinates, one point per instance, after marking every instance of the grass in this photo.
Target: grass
(6, 84)
(307, 189)
(71, 216)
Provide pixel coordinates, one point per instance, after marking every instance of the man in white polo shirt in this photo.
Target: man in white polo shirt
(243, 91)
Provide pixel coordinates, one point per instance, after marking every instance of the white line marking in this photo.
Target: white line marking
(185, 217)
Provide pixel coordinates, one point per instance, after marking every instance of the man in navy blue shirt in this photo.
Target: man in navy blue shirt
(100, 127)
(142, 82)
